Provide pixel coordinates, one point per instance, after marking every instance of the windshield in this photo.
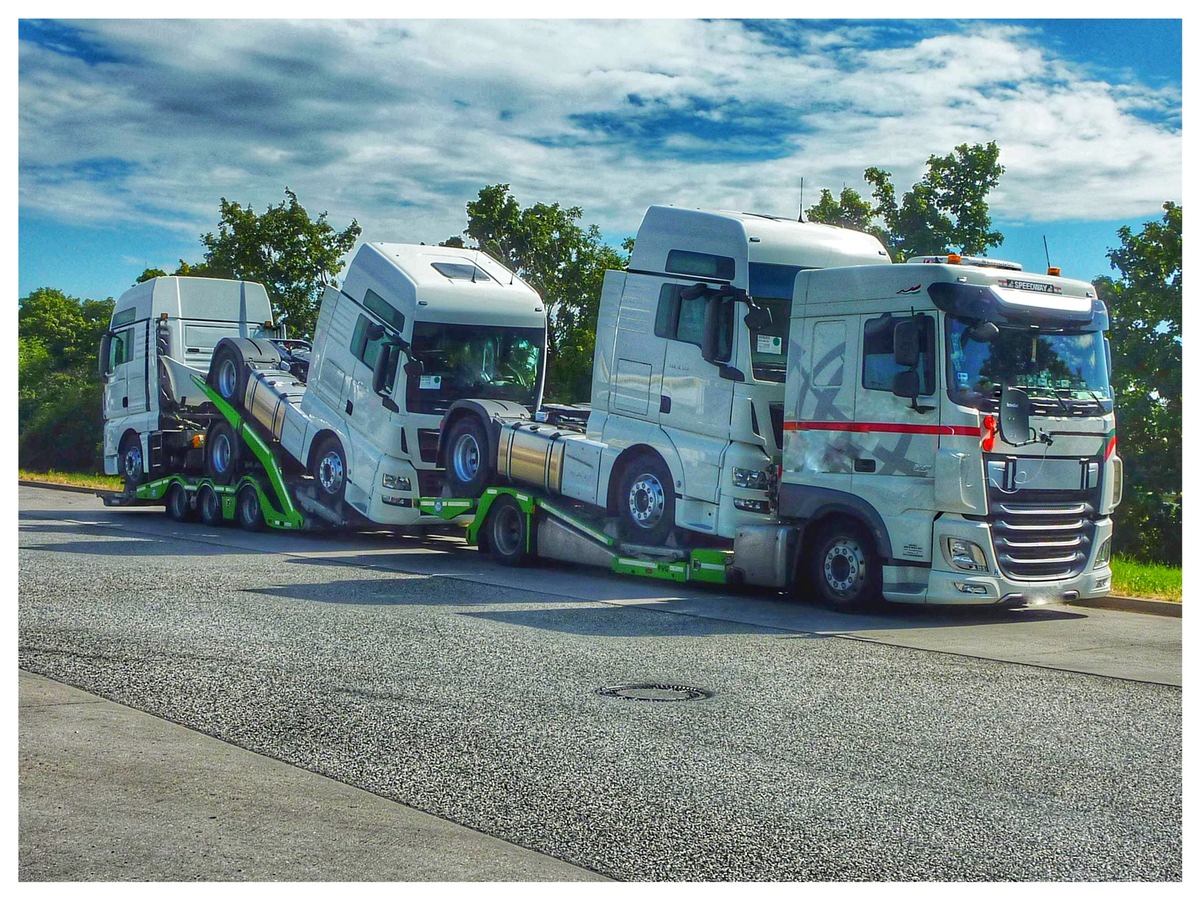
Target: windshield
(1063, 372)
(772, 285)
(461, 361)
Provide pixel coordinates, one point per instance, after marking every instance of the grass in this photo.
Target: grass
(76, 479)
(1130, 578)
(1137, 579)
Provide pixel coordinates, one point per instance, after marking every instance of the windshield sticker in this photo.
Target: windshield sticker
(431, 382)
(770, 343)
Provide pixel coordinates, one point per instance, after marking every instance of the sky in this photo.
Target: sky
(132, 130)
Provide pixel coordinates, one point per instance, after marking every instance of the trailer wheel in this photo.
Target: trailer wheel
(647, 500)
(133, 466)
(329, 470)
(468, 459)
(844, 567)
(249, 509)
(508, 532)
(177, 503)
(208, 506)
(222, 453)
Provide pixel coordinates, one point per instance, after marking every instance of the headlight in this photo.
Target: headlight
(964, 554)
(1103, 554)
(753, 479)
(397, 483)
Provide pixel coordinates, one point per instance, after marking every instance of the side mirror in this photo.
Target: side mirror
(907, 342)
(414, 368)
(382, 365)
(907, 384)
(103, 369)
(984, 332)
(758, 318)
(1014, 415)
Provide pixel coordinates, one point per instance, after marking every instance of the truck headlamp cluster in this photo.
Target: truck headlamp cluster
(751, 479)
(397, 483)
(1103, 554)
(963, 554)
(758, 506)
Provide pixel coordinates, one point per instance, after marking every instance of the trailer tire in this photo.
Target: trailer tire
(133, 465)
(844, 567)
(249, 509)
(646, 504)
(177, 504)
(468, 458)
(208, 507)
(508, 534)
(329, 470)
(222, 453)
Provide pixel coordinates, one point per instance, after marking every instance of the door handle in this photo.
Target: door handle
(664, 404)
(349, 407)
(864, 465)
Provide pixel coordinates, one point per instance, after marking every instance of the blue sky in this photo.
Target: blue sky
(132, 130)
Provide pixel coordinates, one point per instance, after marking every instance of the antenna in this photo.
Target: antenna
(800, 218)
(1046, 246)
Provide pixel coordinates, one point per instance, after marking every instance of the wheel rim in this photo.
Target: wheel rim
(508, 533)
(176, 503)
(647, 500)
(331, 472)
(465, 458)
(845, 567)
(227, 378)
(133, 461)
(222, 452)
(250, 507)
(210, 506)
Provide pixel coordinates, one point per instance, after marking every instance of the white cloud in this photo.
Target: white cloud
(398, 124)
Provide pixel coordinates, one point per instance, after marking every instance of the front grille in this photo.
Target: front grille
(427, 444)
(1043, 536)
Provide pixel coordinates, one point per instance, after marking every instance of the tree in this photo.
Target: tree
(1146, 315)
(946, 211)
(564, 262)
(292, 255)
(59, 391)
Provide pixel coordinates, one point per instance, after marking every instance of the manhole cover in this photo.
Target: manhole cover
(660, 693)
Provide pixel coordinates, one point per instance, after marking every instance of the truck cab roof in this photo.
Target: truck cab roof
(215, 299)
(446, 284)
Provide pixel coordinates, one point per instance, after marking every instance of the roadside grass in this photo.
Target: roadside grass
(75, 479)
(1136, 579)
(1130, 578)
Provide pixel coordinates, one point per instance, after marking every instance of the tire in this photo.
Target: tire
(208, 507)
(844, 567)
(329, 470)
(222, 453)
(178, 504)
(508, 532)
(249, 509)
(227, 375)
(646, 503)
(468, 458)
(132, 464)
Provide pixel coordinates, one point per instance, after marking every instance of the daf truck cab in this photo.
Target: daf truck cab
(949, 433)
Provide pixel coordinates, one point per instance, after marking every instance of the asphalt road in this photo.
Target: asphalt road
(887, 747)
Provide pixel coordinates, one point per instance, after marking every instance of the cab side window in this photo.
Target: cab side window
(879, 367)
(363, 345)
(680, 318)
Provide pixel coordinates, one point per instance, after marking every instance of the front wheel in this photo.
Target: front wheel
(647, 500)
(329, 470)
(844, 567)
(468, 458)
(222, 453)
(133, 465)
(508, 532)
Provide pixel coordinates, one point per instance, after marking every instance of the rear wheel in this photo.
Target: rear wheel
(647, 500)
(468, 458)
(249, 509)
(508, 532)
(222, 453)
(208, 506)
(178, 504)
(844, 567)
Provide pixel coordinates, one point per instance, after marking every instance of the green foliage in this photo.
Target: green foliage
(1137, 579)
(285, 250)
(59, 417)
(563, 261)
(1146, 310)
(946, 211)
